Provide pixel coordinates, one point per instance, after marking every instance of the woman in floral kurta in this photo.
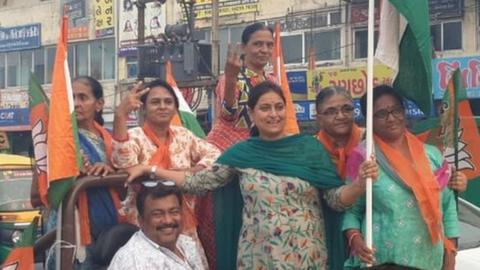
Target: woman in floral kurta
(283, 222)
(158, 144)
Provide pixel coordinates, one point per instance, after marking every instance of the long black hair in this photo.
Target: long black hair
(97, 91)
(257, 92)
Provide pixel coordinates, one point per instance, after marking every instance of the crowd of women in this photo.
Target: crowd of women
(257, 198)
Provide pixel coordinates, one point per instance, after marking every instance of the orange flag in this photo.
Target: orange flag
(21, 257)
(64, 159)
(291, 126)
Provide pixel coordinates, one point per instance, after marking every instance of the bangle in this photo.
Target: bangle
(153, 172)
(350, 239)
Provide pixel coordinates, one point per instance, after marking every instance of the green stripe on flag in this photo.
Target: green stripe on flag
(190, 122)
(57, 191)
(414, 78)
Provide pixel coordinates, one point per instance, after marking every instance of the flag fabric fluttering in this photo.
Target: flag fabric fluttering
(21, 257)
(185, 116)
(38, 125)
(291, 126)
(456, 134)
(64, 159)
(404, 45)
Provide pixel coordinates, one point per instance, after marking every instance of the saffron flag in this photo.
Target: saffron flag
(291, 126)
(21, 257)
(404, 45)
(38, 125)
(456, 133)
(64, 159)
(186, 118)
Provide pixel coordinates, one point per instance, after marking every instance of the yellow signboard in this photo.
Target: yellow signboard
(353, 79)
(104, 23)
(203, 8)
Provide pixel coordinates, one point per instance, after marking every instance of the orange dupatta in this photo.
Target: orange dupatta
(339, 155)
(417, 174)
(85, 236)
(161, 158)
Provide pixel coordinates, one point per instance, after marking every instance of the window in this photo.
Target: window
(292, 49)
(223, 36)
(96, 59)
(2, 70)
(361, 43)
(13, 69)
(326, 43)
(50, 61)
(132, 67)
(446, 36)
(108, 59)
(26, 63)
(39, 64)
(81, 61)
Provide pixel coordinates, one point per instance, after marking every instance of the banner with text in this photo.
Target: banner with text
(443, 69)
(353, 79)
(104, 22)
(203, 8)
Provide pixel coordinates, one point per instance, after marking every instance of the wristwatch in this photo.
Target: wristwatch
(153, 172)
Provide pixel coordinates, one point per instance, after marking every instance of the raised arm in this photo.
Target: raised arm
(131, 102)
(232, 69)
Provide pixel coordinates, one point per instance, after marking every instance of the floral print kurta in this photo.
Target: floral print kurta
(186, 151)
(283, 225)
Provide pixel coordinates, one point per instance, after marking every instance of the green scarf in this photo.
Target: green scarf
(299, 156)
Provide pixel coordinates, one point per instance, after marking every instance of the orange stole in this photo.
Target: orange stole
(420, 179)
(339, 155)
(85, 236)
(161, 158)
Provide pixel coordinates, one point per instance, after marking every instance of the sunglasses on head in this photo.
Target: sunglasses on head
(153, 183)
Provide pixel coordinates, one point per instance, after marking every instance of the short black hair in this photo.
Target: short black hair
(251, 29)
(329, 91)
(160, 83)
(156, 192)
(378, 92)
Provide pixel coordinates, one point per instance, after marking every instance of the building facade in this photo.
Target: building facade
(103, 37)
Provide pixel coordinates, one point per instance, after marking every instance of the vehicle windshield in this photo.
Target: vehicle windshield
(469, 216)
(15, 188)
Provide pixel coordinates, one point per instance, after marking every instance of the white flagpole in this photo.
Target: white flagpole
(369, 117)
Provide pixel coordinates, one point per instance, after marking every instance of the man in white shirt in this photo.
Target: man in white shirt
(158, 244)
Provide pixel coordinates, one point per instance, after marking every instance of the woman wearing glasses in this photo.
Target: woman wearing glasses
(287, 183)
(414, 212)
(339, 135)
(157, 144)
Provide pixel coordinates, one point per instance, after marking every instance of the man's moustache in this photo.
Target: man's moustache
(165, 226)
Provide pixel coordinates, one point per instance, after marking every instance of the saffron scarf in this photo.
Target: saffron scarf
(161, 158)
(416, 174)
(94, 156)
(339, 154)
(299, 156)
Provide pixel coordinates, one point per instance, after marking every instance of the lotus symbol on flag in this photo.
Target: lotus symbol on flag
(39, 135)
(12, 266)
(464, 157)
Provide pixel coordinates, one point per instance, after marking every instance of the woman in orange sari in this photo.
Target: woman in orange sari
(158, 144)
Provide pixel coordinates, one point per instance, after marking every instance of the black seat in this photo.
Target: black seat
(110, 241)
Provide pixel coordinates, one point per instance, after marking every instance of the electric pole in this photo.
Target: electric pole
(215, 39)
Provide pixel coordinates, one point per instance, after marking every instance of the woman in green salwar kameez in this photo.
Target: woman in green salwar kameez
(414, 212)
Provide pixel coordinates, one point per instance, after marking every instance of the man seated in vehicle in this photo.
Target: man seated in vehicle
(158, 244)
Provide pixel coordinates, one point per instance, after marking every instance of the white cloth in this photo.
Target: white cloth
(141, 253)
